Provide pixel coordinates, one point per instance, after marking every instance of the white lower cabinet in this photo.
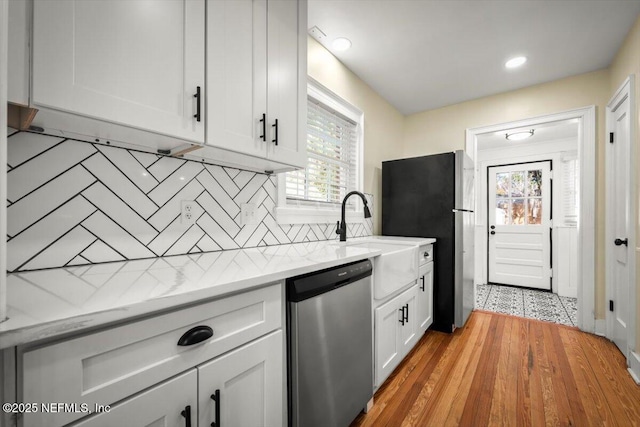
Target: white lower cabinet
(396, 332)
(243, 387)
(233, 344)
(425, 298)
(172, 403)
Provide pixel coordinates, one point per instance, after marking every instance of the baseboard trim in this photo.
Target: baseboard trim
(601, 327)
(634, 366)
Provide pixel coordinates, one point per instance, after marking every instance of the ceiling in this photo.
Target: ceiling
(551, 131)
(424, 54)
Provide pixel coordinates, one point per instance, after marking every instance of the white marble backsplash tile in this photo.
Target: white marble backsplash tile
(72, 203)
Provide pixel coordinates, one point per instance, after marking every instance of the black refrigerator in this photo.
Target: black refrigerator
(433, 196)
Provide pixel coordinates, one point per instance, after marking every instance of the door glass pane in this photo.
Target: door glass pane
(502, 184)
(534, 211)
(517, 211)
(517, 184)
(534, 183)
(502, 212)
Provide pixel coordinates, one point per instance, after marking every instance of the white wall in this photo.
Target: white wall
(553, 150)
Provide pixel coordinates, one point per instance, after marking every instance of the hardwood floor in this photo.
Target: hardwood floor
(509, 371)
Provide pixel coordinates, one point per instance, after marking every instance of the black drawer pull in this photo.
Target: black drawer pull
(401, 310)
(197, 97)
(276, 132)
(263, 120)
(216, 398)
(187, 416)
(195, 335)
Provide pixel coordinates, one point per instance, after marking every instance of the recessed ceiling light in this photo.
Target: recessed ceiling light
(515, 62)
(519, 136)
(341, 44)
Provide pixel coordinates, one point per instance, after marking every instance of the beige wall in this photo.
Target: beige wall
(626, 62)
(383, 124)
(443, 129)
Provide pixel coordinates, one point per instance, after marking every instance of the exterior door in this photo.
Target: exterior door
(520, 225)
(619, 225)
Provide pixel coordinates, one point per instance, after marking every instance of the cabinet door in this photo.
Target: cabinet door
(409, 331)
(287, 81)
(136, 63)
(425, 298)
(249, 382)
(388, 342)
(237, 75)
(163, 405)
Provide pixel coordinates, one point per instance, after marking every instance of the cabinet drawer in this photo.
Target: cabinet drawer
(105, 367)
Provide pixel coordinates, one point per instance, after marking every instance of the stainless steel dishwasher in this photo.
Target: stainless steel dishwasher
(329, 345)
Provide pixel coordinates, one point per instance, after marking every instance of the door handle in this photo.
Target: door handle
(492, 232)
(422, 287)
(493, 227)
(401, 310)
(406, 319)
(186, 413)
(619, 242)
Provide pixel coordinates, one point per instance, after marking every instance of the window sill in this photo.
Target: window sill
(301, 215)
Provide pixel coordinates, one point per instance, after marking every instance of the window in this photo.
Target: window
(334, 162)
(570, 199)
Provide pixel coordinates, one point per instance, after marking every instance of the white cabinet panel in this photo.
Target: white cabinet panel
(256, 77)
(136, 63)
(167, 405)
(287, 87)
(409, 330)
(247, 383)
(425, 298)
(388, 343)
(237, 75)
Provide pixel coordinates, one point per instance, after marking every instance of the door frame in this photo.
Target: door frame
(586, 118)
(626, 90)
(486, 166)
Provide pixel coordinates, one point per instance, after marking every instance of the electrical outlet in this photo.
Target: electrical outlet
(248, 213)
(187, 212)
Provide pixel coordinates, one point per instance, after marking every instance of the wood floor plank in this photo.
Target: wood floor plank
(478, 404)
(452, 398)
(501, 370)
(503, 404)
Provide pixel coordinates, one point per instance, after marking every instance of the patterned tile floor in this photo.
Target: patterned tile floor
(527, 303)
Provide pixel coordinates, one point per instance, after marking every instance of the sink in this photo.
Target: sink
(394, 268)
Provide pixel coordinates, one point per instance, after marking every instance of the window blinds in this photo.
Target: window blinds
(332, 159)
(570, 191)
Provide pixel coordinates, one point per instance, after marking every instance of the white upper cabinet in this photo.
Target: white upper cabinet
(256, 78)
(137, 63)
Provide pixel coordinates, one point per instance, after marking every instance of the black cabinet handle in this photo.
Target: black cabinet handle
(493, 227)
(402, 316)
(195, 335)
(187, 415)
(493, 232)
(216, 398)
(263, 120)
(275, 125)
(422, 287)
(619, 242)
(406, 319)
(197, 97)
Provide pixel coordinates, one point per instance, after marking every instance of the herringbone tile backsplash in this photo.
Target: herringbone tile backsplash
(72, 202)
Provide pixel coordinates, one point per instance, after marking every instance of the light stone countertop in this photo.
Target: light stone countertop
(51, 303)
